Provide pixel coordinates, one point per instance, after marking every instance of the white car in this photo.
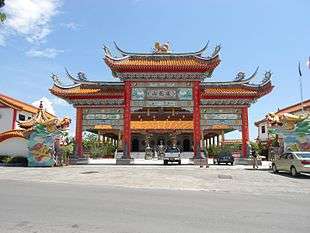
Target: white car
(172, 155)
(292, 162)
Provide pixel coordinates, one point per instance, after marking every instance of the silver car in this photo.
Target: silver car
(292, 162)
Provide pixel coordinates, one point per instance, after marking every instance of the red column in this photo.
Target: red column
(196, 120)
(245, 130)
(14, 118)
(127, 119)
(79, 132)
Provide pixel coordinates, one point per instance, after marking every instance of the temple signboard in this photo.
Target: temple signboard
(145, 93)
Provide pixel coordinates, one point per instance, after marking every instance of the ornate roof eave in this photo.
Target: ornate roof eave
(241, 82)
(238, 81)
(86, 82)
(254, 95)
(79, 82)
(110, 60)
(267, 88)
(125, 53)
(260, 85)
(84, 93)
(67, 86)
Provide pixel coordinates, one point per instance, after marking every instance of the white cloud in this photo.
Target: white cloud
(46, 53)
(136, 1)
(71, 25)
(28, 18)
(47, 104)
(59, 102)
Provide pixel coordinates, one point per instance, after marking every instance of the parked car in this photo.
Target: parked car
(226, 158)
(292, 162)
(172, 155)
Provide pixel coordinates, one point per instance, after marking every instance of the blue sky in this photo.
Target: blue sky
(42, 37)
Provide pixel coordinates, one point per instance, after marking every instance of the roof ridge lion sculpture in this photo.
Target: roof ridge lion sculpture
(161, 48)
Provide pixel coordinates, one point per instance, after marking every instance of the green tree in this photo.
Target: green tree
(257, 147)
(2, 15)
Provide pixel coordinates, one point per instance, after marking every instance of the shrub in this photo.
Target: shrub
(17, 161)
(4, 158)
(227, 149)
(97, 149)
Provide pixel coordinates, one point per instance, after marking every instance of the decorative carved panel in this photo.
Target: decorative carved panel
(162, 103)
(218, 102)
(106, 116)
(107, 102)
(221, 117)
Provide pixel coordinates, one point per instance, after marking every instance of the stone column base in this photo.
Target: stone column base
(121, 161)
(200, 162)
(78, 161)
(246, 161)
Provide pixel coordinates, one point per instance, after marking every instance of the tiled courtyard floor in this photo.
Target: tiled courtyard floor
(232, 179)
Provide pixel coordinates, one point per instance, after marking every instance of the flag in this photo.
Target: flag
(299, 70)
(308, 63)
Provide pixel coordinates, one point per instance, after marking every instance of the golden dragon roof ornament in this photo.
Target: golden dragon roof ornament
(51, 123)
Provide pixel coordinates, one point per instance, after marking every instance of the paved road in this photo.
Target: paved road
(54, 207)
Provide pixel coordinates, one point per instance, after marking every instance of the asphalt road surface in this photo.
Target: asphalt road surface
(51, 207)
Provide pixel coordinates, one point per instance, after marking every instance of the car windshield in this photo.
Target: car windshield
(172, 150)
(303, 155)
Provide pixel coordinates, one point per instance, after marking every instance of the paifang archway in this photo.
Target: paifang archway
(157, 87)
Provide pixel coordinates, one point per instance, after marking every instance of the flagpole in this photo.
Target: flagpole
(301, 91)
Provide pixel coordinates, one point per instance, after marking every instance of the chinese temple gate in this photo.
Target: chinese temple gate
(162, 96)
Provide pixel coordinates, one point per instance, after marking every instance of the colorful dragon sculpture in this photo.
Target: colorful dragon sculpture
(41, 133)
(294, 129)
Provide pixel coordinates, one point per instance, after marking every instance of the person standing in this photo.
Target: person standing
(204, 158)
(254, 157)
(205, 152)
(248, 149)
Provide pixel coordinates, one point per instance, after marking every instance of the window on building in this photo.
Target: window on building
(29, 118)
(263, 129)
(21, 117)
